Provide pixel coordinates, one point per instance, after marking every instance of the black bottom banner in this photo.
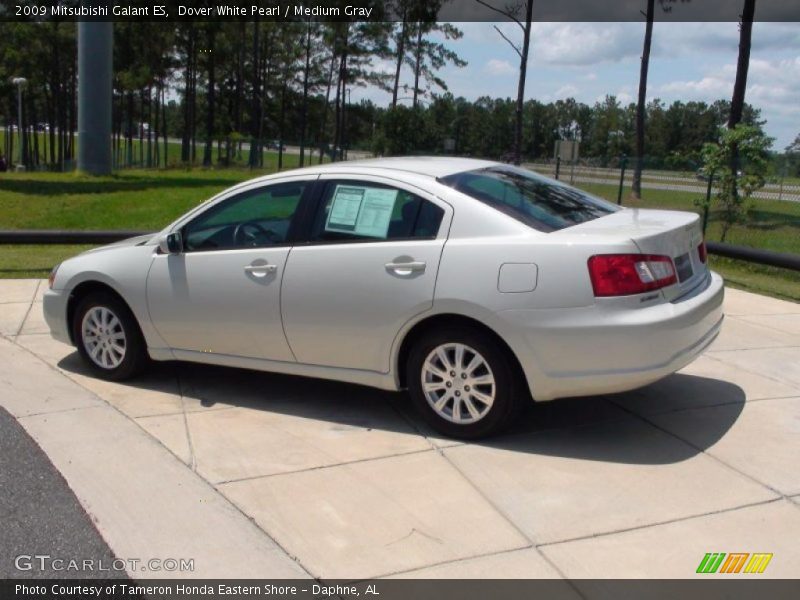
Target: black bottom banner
(417, 589)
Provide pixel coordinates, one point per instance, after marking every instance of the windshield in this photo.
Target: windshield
(541, 203)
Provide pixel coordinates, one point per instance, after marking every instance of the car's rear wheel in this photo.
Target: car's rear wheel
(108, 337)
(463, 383)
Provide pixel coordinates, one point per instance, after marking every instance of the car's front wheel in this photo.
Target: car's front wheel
(463, 383)
(108, 337)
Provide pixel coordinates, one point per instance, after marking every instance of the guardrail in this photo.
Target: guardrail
(763, 257)
(56, 236)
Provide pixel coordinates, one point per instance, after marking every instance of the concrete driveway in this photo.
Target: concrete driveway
(346, 482)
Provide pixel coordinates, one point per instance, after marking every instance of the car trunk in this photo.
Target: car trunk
(665, 232)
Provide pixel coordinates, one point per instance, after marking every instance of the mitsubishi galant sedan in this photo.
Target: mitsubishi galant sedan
(474, 285)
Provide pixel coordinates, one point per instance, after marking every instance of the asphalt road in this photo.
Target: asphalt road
(653, 180)
(40, 515)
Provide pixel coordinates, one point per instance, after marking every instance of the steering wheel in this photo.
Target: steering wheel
(248, 233)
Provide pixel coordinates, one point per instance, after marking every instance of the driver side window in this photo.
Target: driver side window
(253, 219)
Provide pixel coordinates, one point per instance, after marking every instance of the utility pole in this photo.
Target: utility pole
(95, 61)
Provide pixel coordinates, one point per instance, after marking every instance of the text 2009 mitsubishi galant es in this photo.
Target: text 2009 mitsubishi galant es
(474, 285)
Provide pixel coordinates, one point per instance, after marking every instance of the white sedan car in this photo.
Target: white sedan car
(474, 285)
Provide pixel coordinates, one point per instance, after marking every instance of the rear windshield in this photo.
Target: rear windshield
(539, 202)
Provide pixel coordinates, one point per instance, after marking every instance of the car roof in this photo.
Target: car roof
(431, 166)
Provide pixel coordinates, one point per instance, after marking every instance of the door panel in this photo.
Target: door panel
(225, 302)
(342, 305)
(222, 294)
(369, 266)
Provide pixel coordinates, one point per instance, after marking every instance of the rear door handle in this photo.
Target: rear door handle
(260, 270)
(406, 268)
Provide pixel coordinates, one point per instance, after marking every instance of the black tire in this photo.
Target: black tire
(510, 394)
(134, 358)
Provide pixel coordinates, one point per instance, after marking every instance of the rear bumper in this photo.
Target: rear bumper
(597, 350)
(55, 314)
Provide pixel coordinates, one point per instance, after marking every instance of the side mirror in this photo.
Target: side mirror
(172, 243)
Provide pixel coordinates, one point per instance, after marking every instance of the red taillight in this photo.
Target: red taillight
(626, 274)
(701, 251)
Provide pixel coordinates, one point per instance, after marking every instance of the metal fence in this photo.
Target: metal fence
(46, 236)
(619, 172)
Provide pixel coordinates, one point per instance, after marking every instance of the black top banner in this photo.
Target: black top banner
(392, 10)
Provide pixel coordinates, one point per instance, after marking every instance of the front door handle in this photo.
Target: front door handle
(406, 268)
(261, 270)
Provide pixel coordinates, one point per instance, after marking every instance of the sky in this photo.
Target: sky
(586, 61)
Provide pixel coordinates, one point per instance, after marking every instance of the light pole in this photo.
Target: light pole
(20, 82)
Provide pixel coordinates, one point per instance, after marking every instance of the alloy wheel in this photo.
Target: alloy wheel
(458, 383)
(103, 337)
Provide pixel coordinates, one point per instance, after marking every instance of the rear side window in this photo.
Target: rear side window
(538, 202)
(366, 211)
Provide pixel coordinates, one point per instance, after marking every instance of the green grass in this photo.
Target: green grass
(146, 200)
(20, 261)
(772, 281)
(149, 199)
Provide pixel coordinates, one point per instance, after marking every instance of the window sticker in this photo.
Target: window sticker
(344, 208)
(362, 211)
(376, 212)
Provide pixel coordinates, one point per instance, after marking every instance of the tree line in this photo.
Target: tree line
(606, 130)
(219, 86)
(225, 91)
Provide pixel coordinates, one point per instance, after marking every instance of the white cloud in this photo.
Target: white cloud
(566, 91)
(692, 39)
(478, 32)
(496, 66)
(565, 44)
(772, 85)
(711, 87)
(562, 93)
(581, 44)
(775, 85)
(624, 98)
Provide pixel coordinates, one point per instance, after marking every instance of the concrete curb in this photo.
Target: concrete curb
(145, 503)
